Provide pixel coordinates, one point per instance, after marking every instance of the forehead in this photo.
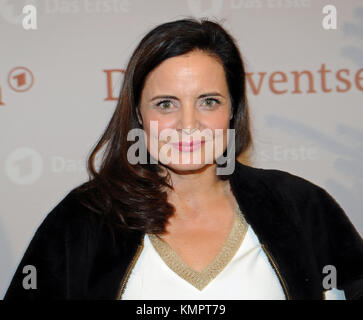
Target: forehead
(191, 72)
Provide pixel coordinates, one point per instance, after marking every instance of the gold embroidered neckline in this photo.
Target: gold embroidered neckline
(201, 279)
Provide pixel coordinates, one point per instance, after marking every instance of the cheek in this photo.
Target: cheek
(218, 120)
(155, 123)
(219, 123)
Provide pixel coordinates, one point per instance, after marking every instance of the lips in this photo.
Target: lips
(188, 146)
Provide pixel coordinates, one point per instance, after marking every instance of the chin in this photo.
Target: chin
(188, 168)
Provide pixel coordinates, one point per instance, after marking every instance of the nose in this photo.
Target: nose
(189, 118)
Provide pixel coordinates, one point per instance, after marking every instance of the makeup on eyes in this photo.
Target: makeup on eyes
(217, 102)
(209, 99)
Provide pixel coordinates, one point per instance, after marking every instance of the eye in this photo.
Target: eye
(211, 102)
(164, 105)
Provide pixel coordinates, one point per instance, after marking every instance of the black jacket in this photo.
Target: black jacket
(300, 226)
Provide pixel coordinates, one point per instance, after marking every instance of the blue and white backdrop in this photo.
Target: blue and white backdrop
(60, 74)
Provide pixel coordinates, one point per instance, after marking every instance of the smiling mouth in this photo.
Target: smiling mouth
(188, 146)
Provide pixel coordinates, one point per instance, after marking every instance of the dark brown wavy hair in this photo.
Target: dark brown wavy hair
(134, 196)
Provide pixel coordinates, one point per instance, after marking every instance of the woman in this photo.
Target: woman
(157, 224)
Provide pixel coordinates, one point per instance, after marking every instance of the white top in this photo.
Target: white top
(247, 276)
(241, 271)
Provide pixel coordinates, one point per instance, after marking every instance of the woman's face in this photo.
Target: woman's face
(187, 98)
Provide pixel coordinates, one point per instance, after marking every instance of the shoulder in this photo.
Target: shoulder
(65, 238)
(279, 182)
(299, 196)
(309, 203)
(71, 216)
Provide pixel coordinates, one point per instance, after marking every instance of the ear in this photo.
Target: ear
(231, 111)
(139, 118)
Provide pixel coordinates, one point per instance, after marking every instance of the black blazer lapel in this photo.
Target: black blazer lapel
(278, 229)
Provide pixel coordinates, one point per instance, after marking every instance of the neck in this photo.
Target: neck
(196, 188)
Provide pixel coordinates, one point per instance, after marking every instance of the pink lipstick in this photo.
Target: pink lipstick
(188, 146)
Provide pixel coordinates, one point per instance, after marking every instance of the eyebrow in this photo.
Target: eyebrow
(209, 94)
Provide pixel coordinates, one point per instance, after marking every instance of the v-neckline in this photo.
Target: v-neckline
(200, 279)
